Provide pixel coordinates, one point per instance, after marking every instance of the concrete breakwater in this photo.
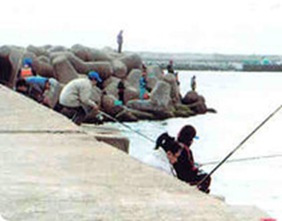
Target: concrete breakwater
(51, 169)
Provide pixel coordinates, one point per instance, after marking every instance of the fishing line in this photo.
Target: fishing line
(137, 132)
(125, 125)
(239, 145)
(242, 159)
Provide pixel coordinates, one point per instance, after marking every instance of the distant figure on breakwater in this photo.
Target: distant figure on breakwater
(193, 83)
(75, 98)
(120, 41)
(169, 67)
(170, 70)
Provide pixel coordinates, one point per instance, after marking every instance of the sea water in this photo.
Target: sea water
(243, 101)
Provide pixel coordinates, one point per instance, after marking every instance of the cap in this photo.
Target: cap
(94, 76)
(27, 61)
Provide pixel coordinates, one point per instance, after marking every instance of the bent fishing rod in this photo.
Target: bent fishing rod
(239, 145)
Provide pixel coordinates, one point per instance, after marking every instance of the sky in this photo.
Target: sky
(198, 26)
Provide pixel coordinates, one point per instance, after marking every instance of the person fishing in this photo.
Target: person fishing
(143, 84)
(30, 90)
(181, 157)
(76, 98)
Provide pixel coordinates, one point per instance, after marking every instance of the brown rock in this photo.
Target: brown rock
(63, 70)
(132, 61)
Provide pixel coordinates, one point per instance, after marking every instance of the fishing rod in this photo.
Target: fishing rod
(241, 159)
(239, 145)
(143, 135)
(125, 125)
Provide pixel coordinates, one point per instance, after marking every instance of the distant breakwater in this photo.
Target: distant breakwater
(215, 62)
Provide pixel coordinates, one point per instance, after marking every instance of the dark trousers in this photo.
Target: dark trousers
(119, 47)
(121, 96)
(76, 114)
(205, 185)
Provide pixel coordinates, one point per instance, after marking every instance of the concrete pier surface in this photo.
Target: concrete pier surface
(51, 169)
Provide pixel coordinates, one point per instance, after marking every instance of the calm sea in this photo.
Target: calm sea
(243, 100)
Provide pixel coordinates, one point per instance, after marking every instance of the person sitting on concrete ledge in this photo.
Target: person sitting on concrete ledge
(75, 97)
(181, 157)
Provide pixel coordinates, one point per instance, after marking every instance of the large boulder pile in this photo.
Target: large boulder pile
(65, 64)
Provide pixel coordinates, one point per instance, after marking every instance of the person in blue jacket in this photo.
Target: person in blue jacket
(143, 85)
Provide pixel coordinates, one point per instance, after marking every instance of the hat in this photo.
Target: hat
(186, 134)
(94, 76)
(27, 61)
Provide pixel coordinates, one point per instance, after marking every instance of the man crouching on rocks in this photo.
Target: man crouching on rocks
(75, 98)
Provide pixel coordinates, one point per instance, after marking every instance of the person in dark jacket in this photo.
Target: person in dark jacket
(121, 88)
(181, 157)
(170, 68)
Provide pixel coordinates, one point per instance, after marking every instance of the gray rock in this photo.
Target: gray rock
(134, 77)
(160, 96)
(175, 93)
(89, 54)
(38, 51)
(119, 69)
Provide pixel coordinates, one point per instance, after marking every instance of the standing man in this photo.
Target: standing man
(193, 83)
(120, 41)
(76, 97)
(170, 70)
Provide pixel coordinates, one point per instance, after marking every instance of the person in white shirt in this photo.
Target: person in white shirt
(76, 97)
